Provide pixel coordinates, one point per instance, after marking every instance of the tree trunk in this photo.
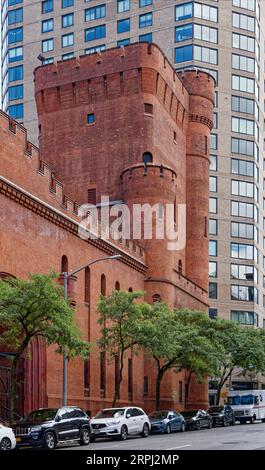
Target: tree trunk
(158, 384)
(187, 388)
(118, 384)
(12, 389)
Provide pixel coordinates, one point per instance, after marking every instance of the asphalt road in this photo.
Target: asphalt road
(238, 437)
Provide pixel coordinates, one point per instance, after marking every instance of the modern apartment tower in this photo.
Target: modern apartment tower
(223, 37)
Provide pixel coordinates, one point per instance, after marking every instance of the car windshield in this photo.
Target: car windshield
(111, 413)
(41, 415)
(215, 409)
(241, 400)
(158, 415)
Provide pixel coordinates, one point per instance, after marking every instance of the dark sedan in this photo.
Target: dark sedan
(166, 421)
(197, 419)
(223, 415)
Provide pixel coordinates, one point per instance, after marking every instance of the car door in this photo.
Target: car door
(64, 424)
(203, 418)
(139, 414)
(131, 421)
(176, 420)
(229, 413)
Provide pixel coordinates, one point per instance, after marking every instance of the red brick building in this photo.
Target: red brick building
(122, 124)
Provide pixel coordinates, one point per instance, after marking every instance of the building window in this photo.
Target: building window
(241, 230)
(242, 188)
(180, 391)
(47, 45)
(205, 54)
(246, 43)
(64, 264)
(87, 285)
(13, 2)
(244, 293)
(68, 56)
(212, 226)
(184, 11)
(146, 37)
(243, 84)
(213, 162)
(15, 73)
(213, 205)
(123, 42)
(242, 146)
(242, 251)
(243, 105)
(47, 6)
(145, 3)
(212, 269)
(245, 318)
(246, 64)
(183, 33)
(145, 20)
(243, 126)
(242, 209)
(205, 33)
(123, 5)
(213, 313)
(242, 167)
(93, 50)
(243, 272)
(247, 4)
(95, 13)
(117, 286)
(145, 386)
(183, 54)
(15, 54)
(67, 3)
(98, 32)
(15, 16)
(48, 60)
(180, 267)
(213, 184)
(123, 26)
(47, 25)
(67, 20)
(15, 92)
(15, 35)
(212, 247)
(91, 118)
(16, 111)
(103, 284)
(212, 290)
(213, 141)
(244, 22)
(68, 40)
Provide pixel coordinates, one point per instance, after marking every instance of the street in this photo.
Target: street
(238, 437)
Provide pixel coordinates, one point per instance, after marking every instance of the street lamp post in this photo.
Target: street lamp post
(65, 283)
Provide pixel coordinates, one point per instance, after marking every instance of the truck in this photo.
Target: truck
(248, 405)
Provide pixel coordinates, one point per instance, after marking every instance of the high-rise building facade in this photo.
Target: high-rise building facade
(224, 37)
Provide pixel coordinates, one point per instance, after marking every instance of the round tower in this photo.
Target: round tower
(147, 189)
(200, 86)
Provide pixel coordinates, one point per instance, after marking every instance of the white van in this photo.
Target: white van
(248, 405)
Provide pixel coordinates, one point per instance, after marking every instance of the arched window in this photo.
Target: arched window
(117, 286)
(64, 264)
(87, 285)
(103, 284)
(180, 266)
(147, 158)
(156, 298)
(130, 289)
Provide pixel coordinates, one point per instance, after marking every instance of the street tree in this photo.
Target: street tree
(31, 308)
(120, 319)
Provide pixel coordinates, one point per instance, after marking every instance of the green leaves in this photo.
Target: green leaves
(36, 307)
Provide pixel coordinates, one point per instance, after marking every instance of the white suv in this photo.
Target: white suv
(120, 422)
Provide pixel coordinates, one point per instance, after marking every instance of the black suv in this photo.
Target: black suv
(47, 427)
(223, 415)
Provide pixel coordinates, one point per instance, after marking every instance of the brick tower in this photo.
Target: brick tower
(124, 124)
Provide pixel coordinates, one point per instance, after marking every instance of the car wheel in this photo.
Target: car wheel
(210, 424)
(168, 429)
(263, 420)
(183, 427)
(145, 431)
(233, 422)
(124, 433)
(49, 441)
(5, 444)
(85, 437)
(197, 426)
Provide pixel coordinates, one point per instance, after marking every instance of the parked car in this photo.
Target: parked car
(120, 422)
(167, 421)
(47, 427)
(223, 415)
(197, 419)
(7, 438)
